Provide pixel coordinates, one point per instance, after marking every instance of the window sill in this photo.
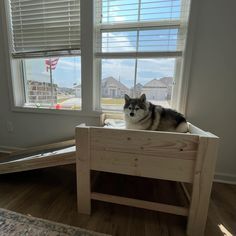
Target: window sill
(56, 112)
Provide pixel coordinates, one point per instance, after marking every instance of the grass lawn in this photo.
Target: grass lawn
(110, 101)
(61, 100)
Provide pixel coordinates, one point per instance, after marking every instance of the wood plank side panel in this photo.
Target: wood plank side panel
(177, 210)
(144, 166)
(163, 144)
(82, 135)
(160, 155)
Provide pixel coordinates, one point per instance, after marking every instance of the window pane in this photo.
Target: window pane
(148, 40)
(53, 82)
(140, 10)
(155, 79)
(117, 80)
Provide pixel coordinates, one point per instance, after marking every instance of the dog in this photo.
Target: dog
(143, 115)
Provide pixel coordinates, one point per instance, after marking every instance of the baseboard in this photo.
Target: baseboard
(225, 178)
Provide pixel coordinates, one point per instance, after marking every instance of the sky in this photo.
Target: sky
(68, 69)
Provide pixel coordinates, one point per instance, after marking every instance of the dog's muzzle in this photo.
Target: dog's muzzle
(131, 114)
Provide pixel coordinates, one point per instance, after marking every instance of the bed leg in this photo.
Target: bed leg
(83, 170)
(202, 183)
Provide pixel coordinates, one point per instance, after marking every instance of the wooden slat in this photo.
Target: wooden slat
(82, 135)
(186, 192)
(141, 165)
(140, 204)
(57, 158)
(203, 177)
(153, 143)
(44, 148)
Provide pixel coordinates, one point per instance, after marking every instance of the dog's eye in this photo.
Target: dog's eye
(130, 108)
(136, 108)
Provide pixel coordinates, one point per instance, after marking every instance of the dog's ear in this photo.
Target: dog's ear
(143, 98)
(127, 98)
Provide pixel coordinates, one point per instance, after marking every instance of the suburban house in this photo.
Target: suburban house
(136, 91)
(112, 88)
(168, 81)
(40, 92)
(155, 90)
(77, 89)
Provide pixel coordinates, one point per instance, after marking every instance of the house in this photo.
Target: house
(155, 90)
(136, 91)
(112, 88)
(168, 81)
(77, 89)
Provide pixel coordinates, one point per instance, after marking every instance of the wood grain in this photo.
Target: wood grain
(143, 165)
(61, 157)
(154, 206)
(203, 177)
(159, 144)
(82, 134)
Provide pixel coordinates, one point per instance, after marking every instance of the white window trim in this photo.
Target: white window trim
(183, 59)
(90, 65)
(15, 74)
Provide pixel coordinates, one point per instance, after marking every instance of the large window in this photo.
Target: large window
(140, 44)
(129, 47)
(46, 46)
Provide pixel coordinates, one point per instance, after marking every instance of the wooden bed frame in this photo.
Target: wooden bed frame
(186, 158)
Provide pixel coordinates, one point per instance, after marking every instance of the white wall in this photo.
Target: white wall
(212, 92)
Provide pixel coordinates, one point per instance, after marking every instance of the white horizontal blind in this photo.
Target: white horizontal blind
(45, 25)
(141, 26)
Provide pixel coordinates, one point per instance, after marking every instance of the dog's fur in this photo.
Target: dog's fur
(141, 114)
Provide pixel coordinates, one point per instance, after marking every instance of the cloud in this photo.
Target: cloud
(148, 69)
(68, 65)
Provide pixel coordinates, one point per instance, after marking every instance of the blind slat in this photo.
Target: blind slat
(44, 25)
(139, 26)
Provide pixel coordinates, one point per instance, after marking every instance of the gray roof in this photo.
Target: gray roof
(167, 80)
(77, 86)
(112, 81)
(155, 83)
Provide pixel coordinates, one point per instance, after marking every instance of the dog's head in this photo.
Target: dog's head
(135, 108)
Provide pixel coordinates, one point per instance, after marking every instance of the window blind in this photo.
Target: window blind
(141, 26)
(44, 26)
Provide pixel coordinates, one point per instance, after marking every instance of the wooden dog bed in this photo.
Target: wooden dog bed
(186, 158)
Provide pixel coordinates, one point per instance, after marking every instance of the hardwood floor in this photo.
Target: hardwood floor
(50, 194)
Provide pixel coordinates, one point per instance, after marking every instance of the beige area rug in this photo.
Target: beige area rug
(15, 224)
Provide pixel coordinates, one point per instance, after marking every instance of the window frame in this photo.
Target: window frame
(177, 89)
(90, 65)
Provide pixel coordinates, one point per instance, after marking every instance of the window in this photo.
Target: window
(129, 47)
(46, 48)
(140, 44)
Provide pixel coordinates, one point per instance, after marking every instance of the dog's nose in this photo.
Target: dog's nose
(131, 114)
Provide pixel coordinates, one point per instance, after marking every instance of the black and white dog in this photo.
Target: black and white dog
(141, 114)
